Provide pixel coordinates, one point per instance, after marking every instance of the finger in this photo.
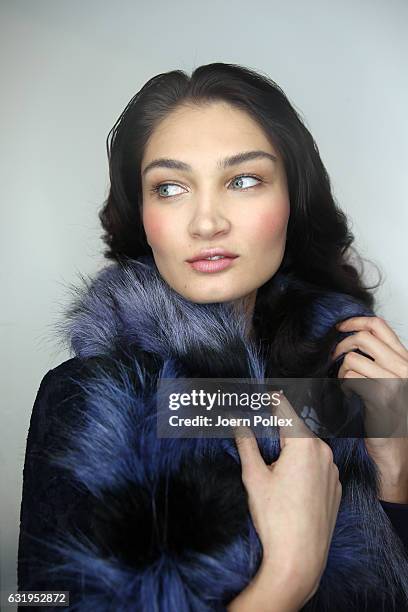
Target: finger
(368, 393)
(378, 327)
(293, 426)
(350, 383)
(248, 450)
(353, 374)
(381, 352)
(363, 366)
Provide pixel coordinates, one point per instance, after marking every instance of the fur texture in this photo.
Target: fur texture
(171, 526)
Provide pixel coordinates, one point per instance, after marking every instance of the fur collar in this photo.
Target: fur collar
(171, 527)
(132, 303)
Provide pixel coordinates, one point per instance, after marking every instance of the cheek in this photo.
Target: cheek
(154, 227)
(270, 224)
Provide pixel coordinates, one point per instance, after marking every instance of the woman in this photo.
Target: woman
(216, 164)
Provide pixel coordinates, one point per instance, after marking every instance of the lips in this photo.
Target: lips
(217, 265)
(205, 253)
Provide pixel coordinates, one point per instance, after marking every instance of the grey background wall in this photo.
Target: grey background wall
(67, 71)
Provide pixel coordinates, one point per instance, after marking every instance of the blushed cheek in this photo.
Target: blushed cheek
(154, 228)
(271, 224)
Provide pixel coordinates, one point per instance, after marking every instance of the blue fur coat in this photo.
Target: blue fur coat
(146, 524)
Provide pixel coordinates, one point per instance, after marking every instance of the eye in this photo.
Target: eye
(167, 190)
(240, 180)
(164, 190)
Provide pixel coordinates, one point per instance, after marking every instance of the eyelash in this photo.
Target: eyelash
(156, 188)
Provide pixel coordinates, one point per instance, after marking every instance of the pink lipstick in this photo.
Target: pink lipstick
(216, 265)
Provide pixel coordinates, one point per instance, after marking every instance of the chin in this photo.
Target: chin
(209, 296)
(214, 297)
(208, 299)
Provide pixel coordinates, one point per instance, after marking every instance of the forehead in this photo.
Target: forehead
(214, 128)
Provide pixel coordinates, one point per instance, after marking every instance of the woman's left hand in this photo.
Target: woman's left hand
(385, 360)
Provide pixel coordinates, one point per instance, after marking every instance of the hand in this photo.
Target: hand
(294, 504)
(386, 401)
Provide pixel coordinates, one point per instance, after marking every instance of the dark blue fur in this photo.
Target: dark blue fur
(172, 528)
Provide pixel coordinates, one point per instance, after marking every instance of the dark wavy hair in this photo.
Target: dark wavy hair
(319, 241)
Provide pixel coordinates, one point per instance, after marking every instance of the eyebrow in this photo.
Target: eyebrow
(227, 162)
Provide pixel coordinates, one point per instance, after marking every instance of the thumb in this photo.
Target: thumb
(248, 450)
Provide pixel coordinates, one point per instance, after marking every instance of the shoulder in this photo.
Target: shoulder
(60, 375)
(64, 382)
(57, 381)
(61, 396)
(58, 394)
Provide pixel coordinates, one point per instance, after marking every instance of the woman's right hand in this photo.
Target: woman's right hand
(293, 504)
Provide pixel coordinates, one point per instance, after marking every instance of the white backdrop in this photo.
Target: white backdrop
(67, 71)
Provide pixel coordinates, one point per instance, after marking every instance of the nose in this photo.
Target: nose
(208, 219)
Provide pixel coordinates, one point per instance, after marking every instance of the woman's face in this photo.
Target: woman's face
(195, 199)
